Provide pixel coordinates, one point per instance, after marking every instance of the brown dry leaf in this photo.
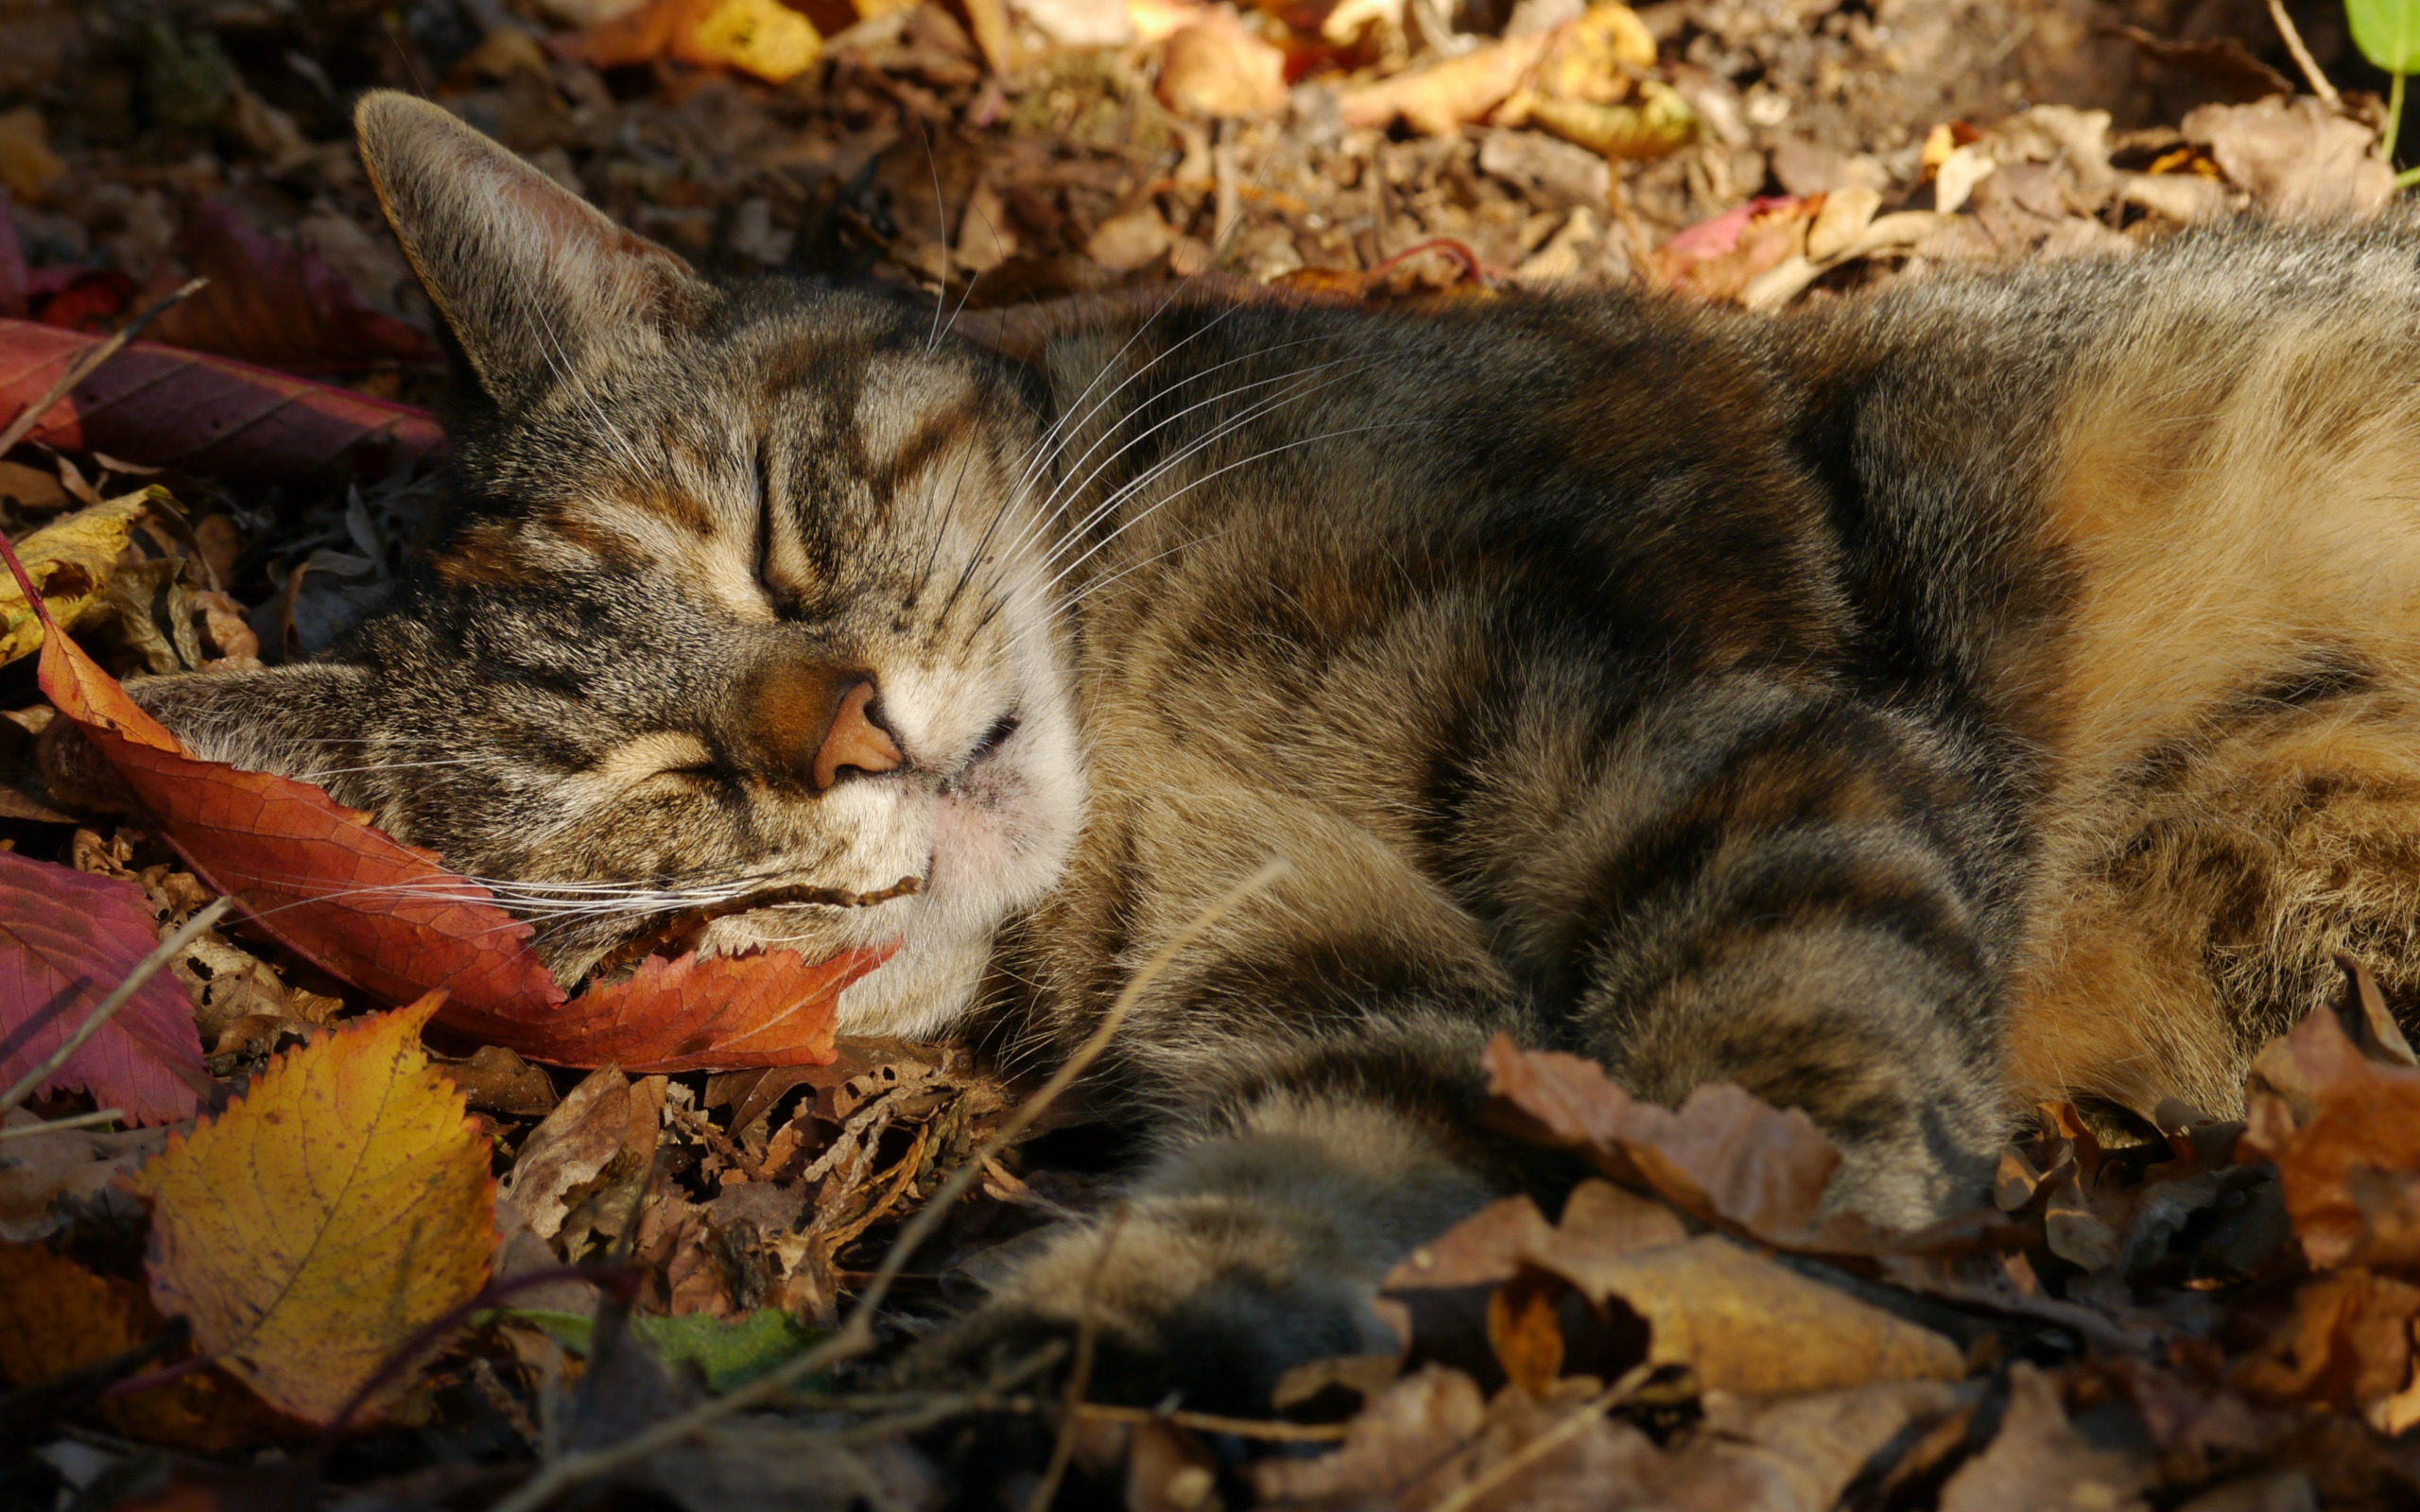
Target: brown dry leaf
(2345, 1132)
(2348, 1343)
(56, 1316)
(1439, 98)
(1718, 1308)
(1216, 68)
(1718, 259)
(1723, 1156)
(1415, 1428)
(2039, 1463)
(2299, 158)
(1661, 122)
(1793, 1453)
(569, 1149)
(342, 1203)
(48, 1181)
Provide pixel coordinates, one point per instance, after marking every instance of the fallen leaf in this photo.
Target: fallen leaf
(67, 940)
(56, 1316)
(163, 406)
(696, 1013)
(275, 304)
(27, 166)
(1718, 1308)
(568, 1149)
(334, 1209)
(760, 36)
(68, 560)
(2298, 159)
(2345, 1132)
(1438, 98)
(1216, 68)
(2347, 1344)
(2037, 1461)
(1793, 1453)
(495, 1080)
(50, 1181)
(1724, 1156)
(1720, 259)
(1415, 1425)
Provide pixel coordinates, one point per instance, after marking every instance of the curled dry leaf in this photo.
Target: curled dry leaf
(67, 940)
(1724, 1156)
(1438, 100)
(390, 918)
(1214, 67)
(2347, 1344)
(68, 560)
(50, 1181)
(338, 1206)
(2038, 1461)
(162, 406)
(2345, 1132)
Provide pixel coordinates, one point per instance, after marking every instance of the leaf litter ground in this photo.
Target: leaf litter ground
(305, 1260)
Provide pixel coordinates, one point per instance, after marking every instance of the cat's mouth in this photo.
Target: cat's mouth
(685, 931)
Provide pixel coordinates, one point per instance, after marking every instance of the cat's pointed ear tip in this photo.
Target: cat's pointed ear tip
(386, 119)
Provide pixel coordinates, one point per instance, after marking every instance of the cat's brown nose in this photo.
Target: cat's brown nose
(855, 741)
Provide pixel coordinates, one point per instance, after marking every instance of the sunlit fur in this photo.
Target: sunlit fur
(1910, 709)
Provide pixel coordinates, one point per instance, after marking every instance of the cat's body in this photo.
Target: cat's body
(1992, 690)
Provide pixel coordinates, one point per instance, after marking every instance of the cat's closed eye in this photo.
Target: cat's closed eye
(658, 757)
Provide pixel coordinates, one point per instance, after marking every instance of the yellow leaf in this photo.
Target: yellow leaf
(1660, 122)
(760, 36)
(1591, 61)
(68, 560)
(27, 166)
(1745, 1323)
(342, 1204)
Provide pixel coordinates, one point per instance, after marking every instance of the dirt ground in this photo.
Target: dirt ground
(2168, 1319)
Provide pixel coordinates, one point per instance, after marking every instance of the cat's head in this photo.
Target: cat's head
(741, 590)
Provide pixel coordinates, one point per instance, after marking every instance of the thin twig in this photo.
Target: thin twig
(1547, 1442)
(1273, 1431)
(2303, 60)
(144, 970)
(1080, 1374)
(85, 366)
(855, 1335)
(60, 1126)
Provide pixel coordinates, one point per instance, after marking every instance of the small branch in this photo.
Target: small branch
(1079, 1375)
(144, 971)
(86, 366)
(2303, 60)
(855, 1335)
(60, 1126)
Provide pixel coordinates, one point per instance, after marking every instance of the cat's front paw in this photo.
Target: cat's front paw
(1199, 1302)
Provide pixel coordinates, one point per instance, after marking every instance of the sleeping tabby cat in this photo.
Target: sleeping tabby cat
(1909, 708)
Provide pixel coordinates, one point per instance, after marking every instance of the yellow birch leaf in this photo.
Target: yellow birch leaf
(338, 1206)
(68, 560)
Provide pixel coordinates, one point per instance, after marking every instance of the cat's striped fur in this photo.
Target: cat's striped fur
(2000, 688)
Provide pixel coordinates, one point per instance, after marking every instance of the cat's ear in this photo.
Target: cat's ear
(530, 278)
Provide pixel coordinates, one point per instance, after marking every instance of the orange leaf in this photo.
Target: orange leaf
(2344, 1131)
(66, 940)
(336, 1208)
(701, 1012)
(56, 1316)
(391, 919)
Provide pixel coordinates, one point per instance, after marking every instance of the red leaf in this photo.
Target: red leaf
(705, 1012)
(275, 304)
(393, 921)
(165, 408)
(67, 940)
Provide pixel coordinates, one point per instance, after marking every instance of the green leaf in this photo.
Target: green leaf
(2388, 32)
(727, 1354)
